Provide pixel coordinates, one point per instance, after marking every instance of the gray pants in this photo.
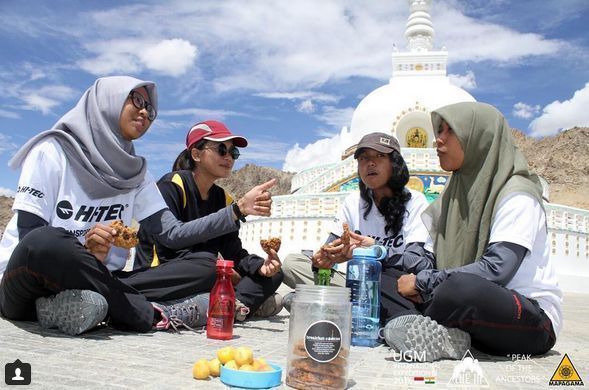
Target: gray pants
(297, 269)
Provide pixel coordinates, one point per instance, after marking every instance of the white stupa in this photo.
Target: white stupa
(419, 85)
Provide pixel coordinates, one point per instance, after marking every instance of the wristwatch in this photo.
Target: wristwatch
(238, 212)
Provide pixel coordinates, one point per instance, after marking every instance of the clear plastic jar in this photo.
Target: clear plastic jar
(319, 337)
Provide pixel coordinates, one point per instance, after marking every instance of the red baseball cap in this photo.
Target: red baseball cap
(213, 131)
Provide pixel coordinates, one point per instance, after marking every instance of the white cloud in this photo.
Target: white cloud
(467, 81)
(263, 151)
(301, 95)
(326, 150)
(201, 112)
(306, 106)
(9, 114)
(525, 111)
(337, 117)
(470, 39)
(45, 98)
(171, 57)
(6, 192)
(558, 115)
(306, 99)
(6, 145)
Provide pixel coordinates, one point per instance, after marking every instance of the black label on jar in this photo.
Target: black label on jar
(323, 340)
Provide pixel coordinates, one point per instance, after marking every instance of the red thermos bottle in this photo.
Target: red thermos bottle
(222, 303)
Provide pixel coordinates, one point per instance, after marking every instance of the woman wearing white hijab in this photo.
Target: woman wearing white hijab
(58, 262)
(490, 277)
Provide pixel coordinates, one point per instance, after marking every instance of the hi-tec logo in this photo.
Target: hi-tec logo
(31, 191)
(65, 210)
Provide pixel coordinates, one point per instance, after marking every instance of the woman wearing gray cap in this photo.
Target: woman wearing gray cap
(384, 212)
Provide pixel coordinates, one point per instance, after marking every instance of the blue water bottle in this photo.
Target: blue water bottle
(363, 280)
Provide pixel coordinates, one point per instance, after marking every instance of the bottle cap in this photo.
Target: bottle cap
(224, 263)
(378, 252)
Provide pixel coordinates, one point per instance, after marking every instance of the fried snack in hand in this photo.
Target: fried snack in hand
(125, 236)
(346, 234)
(271, 243)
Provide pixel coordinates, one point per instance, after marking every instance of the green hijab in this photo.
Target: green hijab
(459, 221)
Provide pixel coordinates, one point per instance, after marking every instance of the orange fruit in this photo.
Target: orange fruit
(225, 354)
(200, 370)
(214, 367)
(243, 355)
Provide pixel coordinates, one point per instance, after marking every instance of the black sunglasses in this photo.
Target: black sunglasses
(222, 150)
(140, 102)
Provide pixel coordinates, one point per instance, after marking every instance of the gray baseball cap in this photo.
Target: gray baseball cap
(381, 142)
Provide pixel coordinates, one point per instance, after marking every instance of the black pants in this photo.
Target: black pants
(252, 290)
(49, 260)
(500, 321)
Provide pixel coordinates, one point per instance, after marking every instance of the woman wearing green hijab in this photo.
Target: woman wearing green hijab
(491, 279)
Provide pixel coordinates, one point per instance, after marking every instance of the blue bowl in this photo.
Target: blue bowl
(252, 379)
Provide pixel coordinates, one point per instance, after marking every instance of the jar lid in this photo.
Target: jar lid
(322, 293)
(224, 263)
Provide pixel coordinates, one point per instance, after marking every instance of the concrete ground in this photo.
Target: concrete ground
(109, 359)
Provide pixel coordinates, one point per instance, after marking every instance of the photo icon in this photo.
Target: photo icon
(17, 373)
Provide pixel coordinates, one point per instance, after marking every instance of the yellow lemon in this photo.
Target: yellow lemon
(232, 365)
(246, 367)
(225, 354)
(214, 367)
(200, 370)
(243, 355)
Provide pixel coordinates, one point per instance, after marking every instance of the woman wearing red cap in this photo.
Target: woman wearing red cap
(191, 194)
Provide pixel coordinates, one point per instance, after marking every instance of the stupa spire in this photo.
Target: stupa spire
(419, 30)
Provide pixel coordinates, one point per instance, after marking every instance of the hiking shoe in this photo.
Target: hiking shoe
(189, 312)
(241, 311)
(287, 301)
(425, 338)
(71, 311)
(270, 307)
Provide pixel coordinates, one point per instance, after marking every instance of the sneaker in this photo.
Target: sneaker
(189, 312)
(241, 311)
(427, 339)
(270, 307)
(71, 311)
(287, 301)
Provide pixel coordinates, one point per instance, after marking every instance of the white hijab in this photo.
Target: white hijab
(104, 162)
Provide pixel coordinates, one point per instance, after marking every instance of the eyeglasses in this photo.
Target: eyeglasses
(140, 103)
(222, 150)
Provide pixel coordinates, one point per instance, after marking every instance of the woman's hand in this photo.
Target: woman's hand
(271, 265)
(258, 200)
(359, 240)
(406, 287)
(99, 239)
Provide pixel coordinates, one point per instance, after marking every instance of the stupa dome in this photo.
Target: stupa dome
(419, 85)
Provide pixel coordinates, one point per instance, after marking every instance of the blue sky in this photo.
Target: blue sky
(285, 74)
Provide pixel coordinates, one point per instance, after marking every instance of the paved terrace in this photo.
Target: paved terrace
(109, 359)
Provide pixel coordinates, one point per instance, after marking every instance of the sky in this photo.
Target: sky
(287, 75)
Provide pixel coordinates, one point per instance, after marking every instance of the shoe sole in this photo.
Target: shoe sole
(72, 311)
(417, 334)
